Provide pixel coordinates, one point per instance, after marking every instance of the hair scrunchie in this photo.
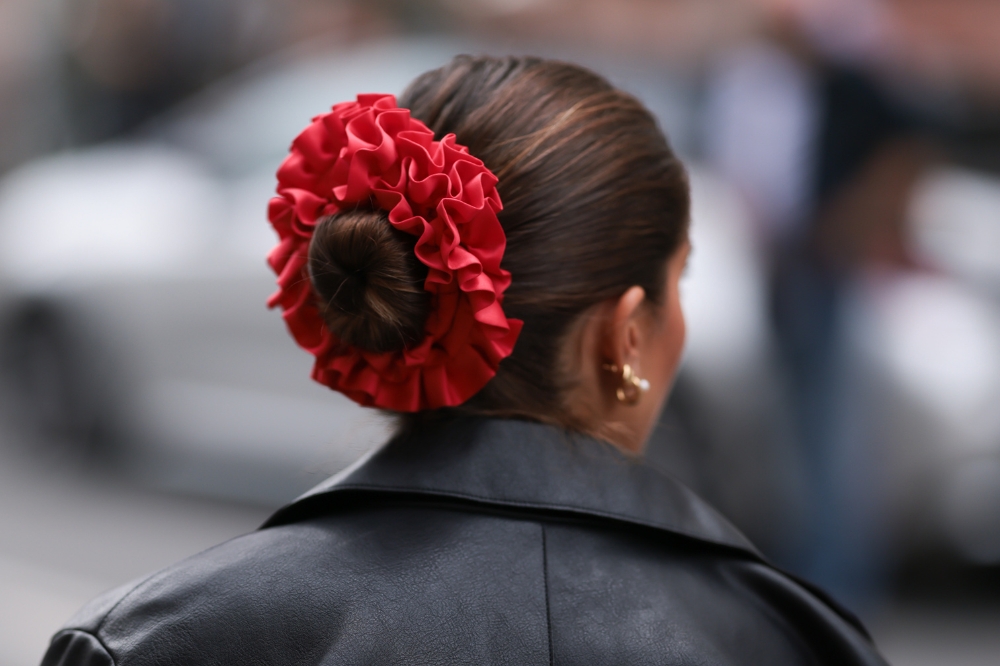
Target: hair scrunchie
(370, 153)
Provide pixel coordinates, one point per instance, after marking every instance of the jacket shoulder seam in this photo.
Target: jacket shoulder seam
(114, 607)
(146, 579)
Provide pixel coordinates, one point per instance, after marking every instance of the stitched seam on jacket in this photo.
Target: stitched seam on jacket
(534, 505)
(145, 580)
(100, 625)
(545, 581)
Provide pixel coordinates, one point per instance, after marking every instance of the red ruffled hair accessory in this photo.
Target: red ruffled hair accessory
(372, 153)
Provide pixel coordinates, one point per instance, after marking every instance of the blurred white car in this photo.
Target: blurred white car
(133, 285)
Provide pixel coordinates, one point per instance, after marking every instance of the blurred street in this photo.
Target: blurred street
(67, 534)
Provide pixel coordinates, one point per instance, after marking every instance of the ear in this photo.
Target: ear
(623, 335)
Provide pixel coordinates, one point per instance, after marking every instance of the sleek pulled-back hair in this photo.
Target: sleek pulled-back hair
(594, 202)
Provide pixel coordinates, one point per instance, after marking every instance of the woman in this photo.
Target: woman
(510, 520)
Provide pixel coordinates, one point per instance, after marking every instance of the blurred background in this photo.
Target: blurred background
(840, 394)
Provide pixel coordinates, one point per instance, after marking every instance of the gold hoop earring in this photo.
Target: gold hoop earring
(632, 388)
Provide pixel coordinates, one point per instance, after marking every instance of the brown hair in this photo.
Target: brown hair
(594, 202)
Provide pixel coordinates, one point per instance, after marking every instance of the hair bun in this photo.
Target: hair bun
(369, 282)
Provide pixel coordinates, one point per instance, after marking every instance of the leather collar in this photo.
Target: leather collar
(514, 464)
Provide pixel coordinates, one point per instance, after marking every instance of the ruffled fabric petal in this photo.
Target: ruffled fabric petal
(371, 152)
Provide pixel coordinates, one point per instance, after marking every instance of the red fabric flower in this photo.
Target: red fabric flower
(370, 152)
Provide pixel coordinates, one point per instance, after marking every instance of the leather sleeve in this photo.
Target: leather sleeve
(76, 648)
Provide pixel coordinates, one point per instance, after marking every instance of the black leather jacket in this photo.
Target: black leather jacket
(475, 542)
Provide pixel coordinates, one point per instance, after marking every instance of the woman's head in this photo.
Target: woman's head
(595, 204)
